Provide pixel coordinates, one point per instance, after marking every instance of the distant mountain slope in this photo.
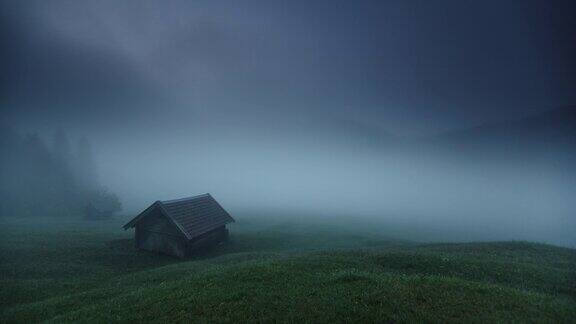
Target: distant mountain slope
(549, 134)
(558, 124)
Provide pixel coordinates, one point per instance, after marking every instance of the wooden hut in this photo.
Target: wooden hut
(182, 226)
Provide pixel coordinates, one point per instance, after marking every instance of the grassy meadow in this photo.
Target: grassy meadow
(277, 270)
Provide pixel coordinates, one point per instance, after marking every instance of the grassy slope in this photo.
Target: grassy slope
(69, 271)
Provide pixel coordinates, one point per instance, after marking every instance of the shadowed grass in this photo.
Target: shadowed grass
(68, 271)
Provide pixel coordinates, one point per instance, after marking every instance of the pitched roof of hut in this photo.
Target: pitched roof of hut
(194, 216)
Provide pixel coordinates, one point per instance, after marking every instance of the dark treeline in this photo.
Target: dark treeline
(50, 177)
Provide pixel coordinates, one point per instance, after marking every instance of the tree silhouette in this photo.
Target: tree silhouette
(42, 180)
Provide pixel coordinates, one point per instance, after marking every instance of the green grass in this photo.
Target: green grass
(67, 271)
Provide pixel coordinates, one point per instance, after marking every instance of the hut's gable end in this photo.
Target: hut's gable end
(157, 222)
(159, 242)
(156, 232)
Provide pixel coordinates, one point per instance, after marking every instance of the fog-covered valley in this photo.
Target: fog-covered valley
(517, 188)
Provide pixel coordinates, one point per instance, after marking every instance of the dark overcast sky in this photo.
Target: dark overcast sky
(406, 66)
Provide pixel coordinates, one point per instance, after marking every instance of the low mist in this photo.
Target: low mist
(494, 196)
